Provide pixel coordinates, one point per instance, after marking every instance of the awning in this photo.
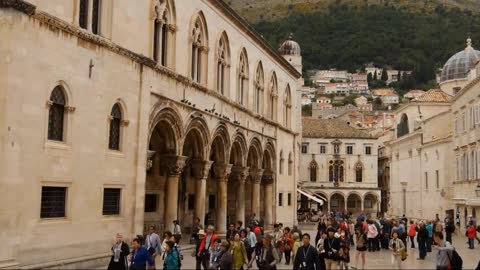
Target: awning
(311, 197)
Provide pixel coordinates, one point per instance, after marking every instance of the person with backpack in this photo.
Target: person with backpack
(172, 257)
(445, 251)
(372, 234)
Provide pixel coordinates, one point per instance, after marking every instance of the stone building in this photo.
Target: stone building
(122, 114)
(338, 163)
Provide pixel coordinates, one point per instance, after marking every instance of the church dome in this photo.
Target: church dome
(460, 64)
(290, 47)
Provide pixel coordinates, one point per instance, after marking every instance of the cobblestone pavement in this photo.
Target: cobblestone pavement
(382, 259)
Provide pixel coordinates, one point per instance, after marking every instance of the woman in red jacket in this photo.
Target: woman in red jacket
(204, 249)
(471, 233)
(412, 232)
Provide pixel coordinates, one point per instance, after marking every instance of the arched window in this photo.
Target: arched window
(290, 164)
(223, 64)
(242, 80)
(281, 162)
(115, 125)
(272, 99)
(259, 87)
(313, 171)
(402, 127)
(199, 49)
(336, 171)
(163, 31)
(90, 22)
(56, 114)
(287, 107)
(358, 172)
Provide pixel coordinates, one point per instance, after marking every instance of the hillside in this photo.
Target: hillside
(269, 10)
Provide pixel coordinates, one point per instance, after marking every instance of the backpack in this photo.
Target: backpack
(456, 262)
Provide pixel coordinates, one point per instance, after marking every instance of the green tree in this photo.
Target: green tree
(369, 77)
(384, 75)
(375, 78)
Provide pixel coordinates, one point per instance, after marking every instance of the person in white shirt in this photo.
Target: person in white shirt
(177, 230)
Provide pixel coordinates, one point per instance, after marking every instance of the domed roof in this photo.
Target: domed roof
(458, 65)
(290, 47)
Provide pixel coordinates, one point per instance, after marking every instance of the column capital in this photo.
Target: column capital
(268, 177)
(240, 173)
(256, 175)
(222, 171)
(173, 165)
(201, 168)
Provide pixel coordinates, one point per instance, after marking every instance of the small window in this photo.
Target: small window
(323, 149)
(304, 148)
(111, 201)
(115, 125)
(211, 201)
(437, 179)
(289, 199)
(191, 201)
(349, 150)
(53, 202)
(368, 150)
(426, 180)
(151, 202)
(56, 114)
(280, 199)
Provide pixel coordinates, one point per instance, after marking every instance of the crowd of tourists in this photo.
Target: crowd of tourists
(338, 236)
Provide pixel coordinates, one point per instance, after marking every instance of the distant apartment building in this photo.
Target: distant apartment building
(387, 95)
(392, 73)
(413, 94)
(360, 88)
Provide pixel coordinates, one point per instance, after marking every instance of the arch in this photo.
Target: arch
(166, 126)
(58, 102)
(354, 202)
(272, 97)
(269, 157)
(239, 151)
(115, 132)
(197, 138)
(402, 127)
(198, 48)
(222, 61)
(337, 201)
(220, 146)
(259, 86)
(370, 201)
(242, 77)
(287, 107)
(164, 20)
(255, 153)
(313, 168)
(359, 168)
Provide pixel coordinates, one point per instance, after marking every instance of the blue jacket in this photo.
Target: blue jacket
(171, 260)
(140, 258)
(429, 228)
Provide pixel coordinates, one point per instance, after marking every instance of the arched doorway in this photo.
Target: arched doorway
(354, 203)
(337, 202)
(254, 162)
(370, 203)
(268, 194)
(238, 186)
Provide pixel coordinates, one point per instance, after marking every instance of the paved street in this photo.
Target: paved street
(382, 259)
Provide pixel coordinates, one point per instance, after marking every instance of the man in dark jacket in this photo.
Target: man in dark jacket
(332, 247)
(226, 257)
(422, 238)
(307, 256)
(449, 229)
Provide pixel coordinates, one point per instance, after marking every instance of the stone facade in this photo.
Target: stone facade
(203, 109)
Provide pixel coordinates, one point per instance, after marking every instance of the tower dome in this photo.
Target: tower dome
(290, 47)
(458, 65)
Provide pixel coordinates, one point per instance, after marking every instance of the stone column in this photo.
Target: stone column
(239, 176)
(172, 166)
(222, 172)
(201, 169)
(256, 178)
(268, 179)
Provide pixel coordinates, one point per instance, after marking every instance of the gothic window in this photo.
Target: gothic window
(402, 128)
(115, 125)
(198, 50)
(272, 100)
(56, 114)
(290, 164)
(83, 14)
(162, 32)
(287, 107)
(96, 10)
(259, 87)
(358, 172)
(90, 15)
(223, 59)
(242, 84)
(281, 162)
(313, 171)
(336, 171)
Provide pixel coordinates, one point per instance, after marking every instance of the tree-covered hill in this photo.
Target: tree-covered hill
(346, 37)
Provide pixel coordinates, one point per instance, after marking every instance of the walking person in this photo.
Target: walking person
(225, 257)
(412, 233)
(252, 240)
(215, 255)
(198, 259)
(332, 247)
(140, 256)
(307, 258)
(344, 250)
(239, 254)
(288, 243)
(422, 237)
(120, 252)
(268, 257)
(445, 251)
(172, 258)
(449, 230)
(372, 233)
(361, 240)
(396, 246)
(296, 244)
(153, 243)
(177, 230)
(429, 228)
(204, 249)
(471, 234)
